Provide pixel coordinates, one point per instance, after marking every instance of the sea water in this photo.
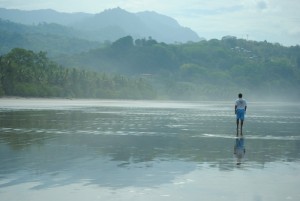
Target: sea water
(59, 149)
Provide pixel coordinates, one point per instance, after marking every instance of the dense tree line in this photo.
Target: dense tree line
(25, 73)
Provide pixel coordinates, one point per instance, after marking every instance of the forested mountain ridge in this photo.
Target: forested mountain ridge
(35, 17)
(214, 68)
(52, 38)
(109, 25)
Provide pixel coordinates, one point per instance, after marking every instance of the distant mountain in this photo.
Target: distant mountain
(52, 38)
(41, 16)
(166, 28)
(110, 24)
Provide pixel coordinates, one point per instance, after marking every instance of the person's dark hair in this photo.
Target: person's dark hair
(240, 95)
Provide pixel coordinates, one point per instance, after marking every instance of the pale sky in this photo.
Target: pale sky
(271, 20)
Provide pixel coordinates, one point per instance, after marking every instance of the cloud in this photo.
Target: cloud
(273, 20)
(261, 5)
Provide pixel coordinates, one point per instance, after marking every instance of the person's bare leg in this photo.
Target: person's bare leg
(242, 122)
(237, 127)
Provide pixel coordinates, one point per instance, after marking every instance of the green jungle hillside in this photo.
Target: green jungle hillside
(214, 69)
(28, 74)
(50, 60)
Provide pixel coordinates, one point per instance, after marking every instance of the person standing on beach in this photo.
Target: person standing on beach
(240, 110)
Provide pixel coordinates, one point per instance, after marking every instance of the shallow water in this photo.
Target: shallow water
(146, 150)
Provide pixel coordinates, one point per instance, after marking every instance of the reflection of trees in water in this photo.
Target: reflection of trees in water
(265, 150)
(19, 141)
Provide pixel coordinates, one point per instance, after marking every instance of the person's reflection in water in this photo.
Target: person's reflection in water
(239, 150)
